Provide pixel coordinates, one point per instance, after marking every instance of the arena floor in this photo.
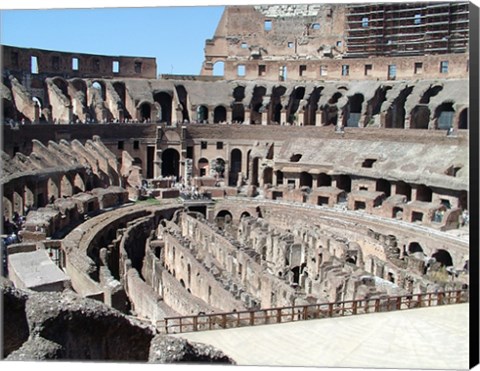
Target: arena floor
(425, 338)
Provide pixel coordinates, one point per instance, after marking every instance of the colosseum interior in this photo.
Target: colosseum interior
(325, 173)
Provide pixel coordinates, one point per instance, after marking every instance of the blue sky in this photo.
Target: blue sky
(175, 36)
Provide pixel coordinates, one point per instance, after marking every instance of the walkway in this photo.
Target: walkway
(427, 338)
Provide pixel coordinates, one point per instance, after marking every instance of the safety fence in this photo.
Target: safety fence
(216, 321)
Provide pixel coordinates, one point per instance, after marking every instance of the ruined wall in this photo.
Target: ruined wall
(17, 61)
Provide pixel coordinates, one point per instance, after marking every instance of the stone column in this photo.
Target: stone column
(157, 164)
(229, 115)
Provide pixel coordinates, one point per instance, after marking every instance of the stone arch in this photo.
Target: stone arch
(355, 103)
(202, 114)
(223, 218)
(444, 115)
(203, 167)
(219, 68)
(414, 247)
(443, 257)
(255, 168)
(276, 103)
(306, 179)
(395, 115)
(256, 105)
(219, 114)
(310, 114)
(294, 104)
(235, 165)
(53, 191)
(463, 119)
(78, 184)
(66, 187)
(170, 162)
(219, 166)
(245, 214)
(121, 90)
(101, 88)
(164, 101)
(144, 111)
(419, 117)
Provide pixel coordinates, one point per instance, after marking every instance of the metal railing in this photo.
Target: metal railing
(216, 321)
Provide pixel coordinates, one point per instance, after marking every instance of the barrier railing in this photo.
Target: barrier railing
(216, 321)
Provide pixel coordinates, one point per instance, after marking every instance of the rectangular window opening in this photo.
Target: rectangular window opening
(267, 26)
(323, 70)
(138, 67)
(302, 70)
(444, 67)
(345, 70)
(283, 73)
(392, 72)
(262, 70)
(33, 64)
(365, 22)
(244, 45)
(115, 66)
(368, 69)
(75, 64)
(290, 44)
(136, 144)
(120, 144)
(241, 70)
(203, 145)
(219, 145)
(418, 69)
(418, 19)
(315, 26)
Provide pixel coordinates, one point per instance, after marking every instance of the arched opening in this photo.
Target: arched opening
(443, 257)
(395, 116)
(66, 187)
(294, 104)
(100, 89)
(276, 103)
(121, 91)
(402, 188)
(165, 101)
(223, 218)
(53, 191)
(344, 182)
(324, 180)
(239, 93)
(219, 166)
(219, 114)
(170, 162)
(256, 105)
(268, 175)
(218, 68)
(463, 119)
(419, 117)
(424, 193)
(384, 186)
(444, 115)
(255, 164)
(203, 167)
(414, 247)
(245, 214)
(235, 166)
(145, 111)
(182, 98)
(78, 184)
(312, 107)
(238, 113)
(355, 110)
(63, 86)
(202, 114)
(306, 179)
(429, 93)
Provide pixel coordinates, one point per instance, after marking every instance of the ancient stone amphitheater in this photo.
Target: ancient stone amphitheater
(149, 206)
